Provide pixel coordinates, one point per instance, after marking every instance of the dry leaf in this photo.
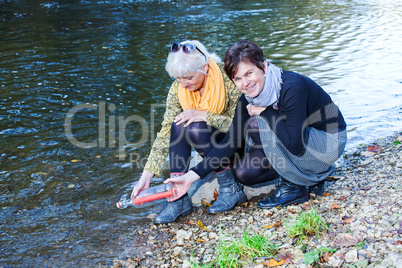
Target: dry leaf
(347, 240)
(326, 256)
(205, 203)
(326, 194)
(285, 257)
(335, 177)
(276, 224)
(201, 225)
(200, 240)
(374, 148)
(335, 206)
(216, 194)
(273, 263)
(342, 198)
(75, 160)
(347, 220)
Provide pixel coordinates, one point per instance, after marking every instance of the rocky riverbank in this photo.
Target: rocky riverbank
(361, 204)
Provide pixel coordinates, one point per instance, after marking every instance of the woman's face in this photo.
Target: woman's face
(249, 79)
(194, 81)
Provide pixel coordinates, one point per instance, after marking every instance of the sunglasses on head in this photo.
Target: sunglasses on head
(187, 48)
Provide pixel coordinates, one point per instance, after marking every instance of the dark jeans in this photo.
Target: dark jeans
(252, 168)
(199, 135)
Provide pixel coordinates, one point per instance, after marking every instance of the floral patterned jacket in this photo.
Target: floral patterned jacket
(160, 147)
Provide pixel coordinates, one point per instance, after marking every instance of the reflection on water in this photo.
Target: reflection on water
(57, 199)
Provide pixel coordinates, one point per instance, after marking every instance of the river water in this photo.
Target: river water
(83, 84)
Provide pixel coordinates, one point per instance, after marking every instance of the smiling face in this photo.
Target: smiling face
(249, 79)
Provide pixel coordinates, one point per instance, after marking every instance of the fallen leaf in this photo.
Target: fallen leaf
(347, 240)
(201, 225)
(200, 240)
(75, 160)
(327, 194)
(273, 263)
(335, 206)
(374, 149)
(131, 72)
(326, 256)
(285, 257)
(98, 156)
(216, 194)
(205, 203)
(342, 198)
(276, 224)
(347, 220)
(245, 204)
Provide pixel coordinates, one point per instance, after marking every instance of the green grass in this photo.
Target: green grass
(237, 252)
(306, 224)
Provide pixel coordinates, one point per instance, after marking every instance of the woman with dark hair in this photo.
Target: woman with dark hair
(291, 123)
(199, 109)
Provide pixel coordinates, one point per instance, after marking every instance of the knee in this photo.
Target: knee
(194, 131)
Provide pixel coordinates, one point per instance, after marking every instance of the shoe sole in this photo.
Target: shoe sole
(185, 213)
(300, 200)
(239, 202)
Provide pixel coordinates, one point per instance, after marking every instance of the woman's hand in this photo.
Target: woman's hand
(182, 184)
(142, 184)
(191, 116)
(255, 110)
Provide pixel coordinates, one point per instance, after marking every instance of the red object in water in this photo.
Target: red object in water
(152, 197)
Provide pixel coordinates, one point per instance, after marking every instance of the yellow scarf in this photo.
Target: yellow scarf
(213, 97)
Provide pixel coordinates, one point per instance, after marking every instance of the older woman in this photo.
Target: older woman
(199, 110)
(292, 122)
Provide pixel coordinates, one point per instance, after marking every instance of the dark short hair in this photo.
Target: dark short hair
(242, 51)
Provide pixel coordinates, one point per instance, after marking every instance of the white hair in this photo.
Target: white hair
(180, 64)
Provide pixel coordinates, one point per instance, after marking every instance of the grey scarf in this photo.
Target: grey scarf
(269, 95)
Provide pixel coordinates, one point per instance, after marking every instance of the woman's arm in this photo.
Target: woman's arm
(289, 123)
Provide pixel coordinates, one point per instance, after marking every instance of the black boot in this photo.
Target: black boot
(317, 189)
(287, 193)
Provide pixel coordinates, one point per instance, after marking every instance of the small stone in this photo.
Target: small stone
(186, 264)
(151, 216)
(212, 235)
(294, 209)
(177, 251)
(181, 235)
(351, 256)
